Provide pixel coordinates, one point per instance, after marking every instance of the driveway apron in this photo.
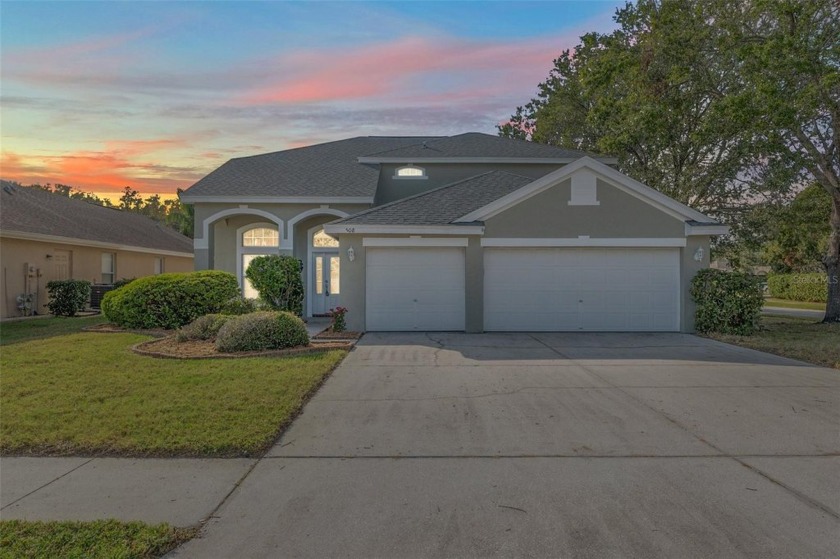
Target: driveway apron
(547, 445)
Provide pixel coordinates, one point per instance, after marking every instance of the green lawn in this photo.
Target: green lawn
(39, 328)
(798, 338)
(88, 394)
(788, 304)
(105, 539)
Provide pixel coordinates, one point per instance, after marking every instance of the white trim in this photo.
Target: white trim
(234, 199)
(55, 239)
(585, 242)
(605, 172)
(415, 242)
(241, 250)
(716, 229)
(503, 160)
(205, 225)
(289, 241)
(341, 228)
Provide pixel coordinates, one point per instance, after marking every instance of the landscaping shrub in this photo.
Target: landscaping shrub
(339, 320)
(122, 282)
(202, 328)
(799, 287)
(262, 330)
(169, 300)
(67, 297)
(239, 305)
(727, 302)
(277, 279)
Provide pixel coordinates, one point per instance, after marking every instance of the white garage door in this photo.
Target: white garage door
(581, 289)
(412, 288)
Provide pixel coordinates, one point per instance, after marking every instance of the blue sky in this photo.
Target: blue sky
(154, 95)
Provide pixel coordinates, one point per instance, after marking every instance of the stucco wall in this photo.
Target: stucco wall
(439, 174)
(619, 215)
(85, 263)
(688, 270)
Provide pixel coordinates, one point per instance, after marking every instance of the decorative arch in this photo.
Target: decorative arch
(205, 225)
(290, 237)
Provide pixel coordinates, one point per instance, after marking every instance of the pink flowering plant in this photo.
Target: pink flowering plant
(339, 323)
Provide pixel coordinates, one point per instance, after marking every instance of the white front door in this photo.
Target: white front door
(326, 282)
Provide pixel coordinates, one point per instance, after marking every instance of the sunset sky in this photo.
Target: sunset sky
(154, 95)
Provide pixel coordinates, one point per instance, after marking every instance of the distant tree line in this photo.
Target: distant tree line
(172, 213)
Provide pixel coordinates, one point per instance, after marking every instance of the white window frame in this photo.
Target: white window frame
(421, 176)
(242, 250)
(113, 272)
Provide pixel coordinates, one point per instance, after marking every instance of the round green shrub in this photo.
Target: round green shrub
(727, 302)
(169, 300)
(67, 297)
(202, 328)
(261, 330)
(240, 305)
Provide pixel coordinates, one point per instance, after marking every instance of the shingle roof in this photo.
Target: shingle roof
(29, 210)
(330, 169)
(475, 144)
(443, 205)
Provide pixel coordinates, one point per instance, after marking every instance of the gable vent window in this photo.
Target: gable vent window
(584, 189)
(410, 172)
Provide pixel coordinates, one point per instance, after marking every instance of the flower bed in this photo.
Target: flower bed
(170, 348)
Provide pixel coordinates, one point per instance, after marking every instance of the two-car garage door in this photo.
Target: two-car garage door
(525, 289)
(581, 289)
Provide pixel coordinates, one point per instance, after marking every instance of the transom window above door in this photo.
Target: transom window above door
(322, 240)
(261, 237)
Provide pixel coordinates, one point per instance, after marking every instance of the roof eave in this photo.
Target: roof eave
(349, 228)
(467, 160)
(234, 199)
(57, 239)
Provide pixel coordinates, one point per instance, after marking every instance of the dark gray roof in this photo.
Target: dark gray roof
(443, 205)
(330, 169)
(30, 210)
(475, 144)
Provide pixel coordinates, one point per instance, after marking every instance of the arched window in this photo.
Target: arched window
(410, 172)
(322, 240)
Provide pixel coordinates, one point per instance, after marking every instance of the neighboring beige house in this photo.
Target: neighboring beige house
(463, 233)
(45, 237)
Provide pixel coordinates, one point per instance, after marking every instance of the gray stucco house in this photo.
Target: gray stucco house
(467, 233)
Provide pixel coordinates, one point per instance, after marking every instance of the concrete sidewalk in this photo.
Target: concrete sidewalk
(180, 491)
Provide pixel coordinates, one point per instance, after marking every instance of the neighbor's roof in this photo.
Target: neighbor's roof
(477, 145)
(444, 205)
(330, 169)
(38, 212)
(347, 168)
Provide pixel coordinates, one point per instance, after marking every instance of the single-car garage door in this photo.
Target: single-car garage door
(581, 289)
(414, 288)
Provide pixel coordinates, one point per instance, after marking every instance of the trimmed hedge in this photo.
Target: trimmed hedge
(799, 287)
(169, 300)
(727, 302)
(262, 330)
(203, 328)
(67, 297)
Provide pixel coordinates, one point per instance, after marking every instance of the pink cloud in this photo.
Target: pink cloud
(375, 71)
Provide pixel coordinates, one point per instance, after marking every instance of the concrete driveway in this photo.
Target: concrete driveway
(548, 445)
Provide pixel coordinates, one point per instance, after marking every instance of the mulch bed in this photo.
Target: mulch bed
(330, 335)
(170, 348)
